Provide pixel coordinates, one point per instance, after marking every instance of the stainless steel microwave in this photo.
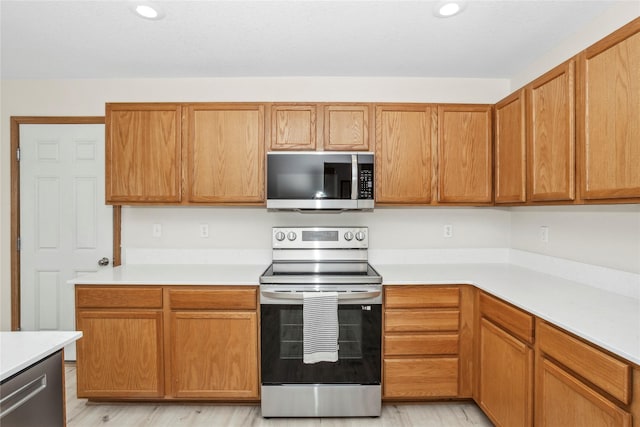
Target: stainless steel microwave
(320, 180)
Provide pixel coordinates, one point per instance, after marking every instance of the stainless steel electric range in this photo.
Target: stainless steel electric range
(330, 261)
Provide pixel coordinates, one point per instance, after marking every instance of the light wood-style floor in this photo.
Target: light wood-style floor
(81, 414)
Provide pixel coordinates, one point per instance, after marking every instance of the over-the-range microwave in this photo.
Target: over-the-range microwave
(320, 180)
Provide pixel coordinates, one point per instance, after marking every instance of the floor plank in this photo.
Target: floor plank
(83, 414)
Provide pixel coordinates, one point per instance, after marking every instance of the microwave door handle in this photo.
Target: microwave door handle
(354, 177)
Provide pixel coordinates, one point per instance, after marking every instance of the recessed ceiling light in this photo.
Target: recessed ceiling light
(446, 9)
(147, 10)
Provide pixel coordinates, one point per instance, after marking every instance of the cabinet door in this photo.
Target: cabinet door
(143, 145)
(609, 108)
(225, 153)
(404, 136)
(293, 127)
(506, 377)
(563, 400)
(510, 149)
(346, 127)
(214, 354)
(120, 354)
(464, 154)
(551, 135)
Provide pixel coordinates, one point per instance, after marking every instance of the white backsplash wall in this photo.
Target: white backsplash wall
(607, 235)
(604, 235)
(250, 228)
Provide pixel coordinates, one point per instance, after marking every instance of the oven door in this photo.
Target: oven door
(359, 342)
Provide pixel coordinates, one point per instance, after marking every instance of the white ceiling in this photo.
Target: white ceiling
(104, 39)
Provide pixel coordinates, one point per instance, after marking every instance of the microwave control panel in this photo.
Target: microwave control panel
(365, 190)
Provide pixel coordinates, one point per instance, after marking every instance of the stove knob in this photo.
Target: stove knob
(348, 236)
(360, 236)
(292, 236)
(280, 236)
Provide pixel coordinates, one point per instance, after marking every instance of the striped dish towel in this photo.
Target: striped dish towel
(320, 326)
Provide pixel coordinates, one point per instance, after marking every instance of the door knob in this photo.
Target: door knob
(103, 262)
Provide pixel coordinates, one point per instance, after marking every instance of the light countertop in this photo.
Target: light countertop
(604, 318)
(19, 350)
(176, 274)
(607, 319)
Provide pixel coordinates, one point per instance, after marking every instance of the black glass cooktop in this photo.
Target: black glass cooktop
(284, 276)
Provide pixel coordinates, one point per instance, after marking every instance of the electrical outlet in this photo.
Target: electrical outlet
(157, 230)
(204, 231)
(544, 234)
(447, 231)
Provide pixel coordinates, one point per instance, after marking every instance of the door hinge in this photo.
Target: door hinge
(19, 245)
(18, 154)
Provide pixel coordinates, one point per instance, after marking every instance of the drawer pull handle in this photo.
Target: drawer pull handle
(13, 401)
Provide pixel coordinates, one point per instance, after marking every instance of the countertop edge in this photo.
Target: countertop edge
(65, 338)
(514, 284)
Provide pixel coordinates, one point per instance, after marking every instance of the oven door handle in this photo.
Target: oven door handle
(341, 295)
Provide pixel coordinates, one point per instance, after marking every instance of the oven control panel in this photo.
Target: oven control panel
(320, 237)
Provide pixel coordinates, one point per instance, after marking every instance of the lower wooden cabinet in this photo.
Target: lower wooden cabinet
(423, 343)
(505, 378)
(214, 354)
(564, 400)
(120, 354)
(167, 342)
(578, 384)
(505, 362)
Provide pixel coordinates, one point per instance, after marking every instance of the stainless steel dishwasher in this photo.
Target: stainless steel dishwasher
(34, 397)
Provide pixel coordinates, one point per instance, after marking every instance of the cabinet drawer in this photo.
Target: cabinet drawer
(567, 401)
(604, 371)
(420, 344)
(223, 298)
(516, 321)
(421, 297)
(421, 320)
(118, 297)
(421, 377)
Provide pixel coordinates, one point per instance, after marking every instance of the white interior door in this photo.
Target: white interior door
(65, 226)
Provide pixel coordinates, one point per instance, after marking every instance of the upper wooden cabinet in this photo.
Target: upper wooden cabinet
(217, 157)
(510, 149)
(143, 147)
(464, 154)
(346, 127)
(225, 153)
(405, 135)
(551, 135)
(608, 116)
(330, 127)
(294, 126)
